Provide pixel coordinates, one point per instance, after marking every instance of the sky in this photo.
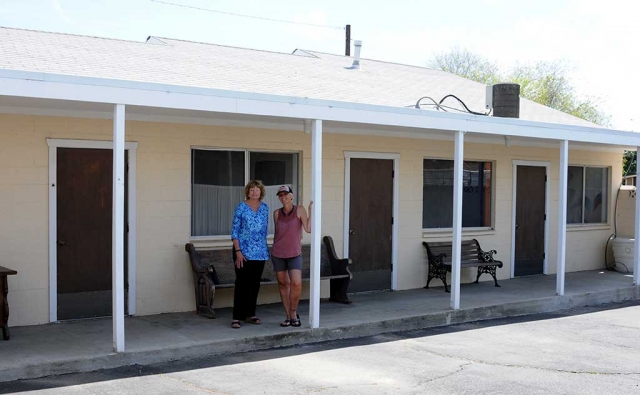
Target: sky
(597, 40)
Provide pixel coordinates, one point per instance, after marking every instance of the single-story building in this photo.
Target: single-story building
(192, 122)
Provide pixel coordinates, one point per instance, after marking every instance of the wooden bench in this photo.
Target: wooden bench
(4, 304)
(214, 269)
(471, 255)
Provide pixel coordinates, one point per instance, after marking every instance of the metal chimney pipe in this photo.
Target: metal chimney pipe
(357, 44)
(347, 47)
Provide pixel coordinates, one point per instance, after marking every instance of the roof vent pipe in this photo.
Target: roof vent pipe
(357, 44)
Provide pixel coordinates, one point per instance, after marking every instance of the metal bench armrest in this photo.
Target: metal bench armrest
(439, 259)
(486, 256)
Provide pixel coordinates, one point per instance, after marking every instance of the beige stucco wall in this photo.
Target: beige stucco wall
(626, 212)
(164, 281)
(24, 217)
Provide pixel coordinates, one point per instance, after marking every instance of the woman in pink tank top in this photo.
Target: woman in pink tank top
(286, 253)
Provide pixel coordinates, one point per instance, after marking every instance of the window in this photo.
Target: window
(587, 195)
(218, 179)
(437, 194)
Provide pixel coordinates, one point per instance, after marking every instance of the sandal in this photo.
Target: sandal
(235, 324)
(285, 323)
(296, 321)
(254, 320)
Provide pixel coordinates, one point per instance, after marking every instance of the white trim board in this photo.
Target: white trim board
(396, 204)
(268, 123)
(101, 90)
(547, 166)
(54, 144)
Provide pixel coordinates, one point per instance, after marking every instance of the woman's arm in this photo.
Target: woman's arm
(275, 221)
(235, 234)
(236, 225)
(304, 218)
(265, 219)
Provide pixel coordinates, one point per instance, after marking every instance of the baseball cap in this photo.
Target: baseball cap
(284, 188)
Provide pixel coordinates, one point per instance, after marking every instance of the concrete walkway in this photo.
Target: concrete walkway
(85, 345)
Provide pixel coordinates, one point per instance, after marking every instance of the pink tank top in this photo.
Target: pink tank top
(288, 237)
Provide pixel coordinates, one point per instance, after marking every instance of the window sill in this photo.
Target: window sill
(426, 233)
(587, 227)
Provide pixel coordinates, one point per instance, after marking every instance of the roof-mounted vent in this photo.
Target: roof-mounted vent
(155, 40)
(357, 44)
(505, 99)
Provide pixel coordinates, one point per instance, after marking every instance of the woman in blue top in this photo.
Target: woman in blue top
(249, 235)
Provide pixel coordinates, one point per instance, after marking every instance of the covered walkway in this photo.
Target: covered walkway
(85, 345)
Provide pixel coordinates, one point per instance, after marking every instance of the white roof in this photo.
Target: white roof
(305, 74)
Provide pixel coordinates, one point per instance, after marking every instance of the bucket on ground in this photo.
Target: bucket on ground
(623, 248)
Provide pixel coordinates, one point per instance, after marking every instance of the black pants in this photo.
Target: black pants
(245, 296)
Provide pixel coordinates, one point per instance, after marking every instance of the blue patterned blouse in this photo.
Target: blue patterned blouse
(250, 229)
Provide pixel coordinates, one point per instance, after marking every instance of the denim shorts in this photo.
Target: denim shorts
(286, 264)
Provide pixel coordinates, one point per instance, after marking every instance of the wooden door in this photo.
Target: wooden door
(370, 223)
(84, 222)
(530, 220)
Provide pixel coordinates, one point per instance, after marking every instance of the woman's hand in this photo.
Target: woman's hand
(306, 220)
(239, 260)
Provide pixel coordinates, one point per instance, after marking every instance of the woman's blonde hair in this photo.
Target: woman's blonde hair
(254, 184)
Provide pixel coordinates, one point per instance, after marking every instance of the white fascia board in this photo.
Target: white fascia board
(100, 90)
(267, 123)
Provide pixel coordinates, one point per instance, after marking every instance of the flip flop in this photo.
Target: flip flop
(235, 324)
(296, 321)
(254, 320)
(285, 323)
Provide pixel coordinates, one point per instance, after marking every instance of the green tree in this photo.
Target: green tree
(468, 65)
(629, 163)
(547, 83)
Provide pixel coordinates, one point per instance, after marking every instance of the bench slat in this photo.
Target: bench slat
(275, 282)
(447, 244)
(468, 263)
(448, 253)
(222, 262)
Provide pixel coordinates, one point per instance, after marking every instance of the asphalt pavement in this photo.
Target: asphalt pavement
(588, 350)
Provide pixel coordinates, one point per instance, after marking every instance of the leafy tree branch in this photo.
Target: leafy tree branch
(547, 83)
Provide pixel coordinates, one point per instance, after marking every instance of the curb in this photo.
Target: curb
(310, 336)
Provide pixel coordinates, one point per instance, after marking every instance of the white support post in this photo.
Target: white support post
(562, 215)
(117, 232)
(132, 230)
(458, 160)
(316, 222)
(53, 234)
(636, 259)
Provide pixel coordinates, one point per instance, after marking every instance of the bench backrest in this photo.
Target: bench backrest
(223, 263)
(468, 252)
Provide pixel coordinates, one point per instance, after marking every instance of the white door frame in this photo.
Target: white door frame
(54, 144)
(396, 194)
(547, 166)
